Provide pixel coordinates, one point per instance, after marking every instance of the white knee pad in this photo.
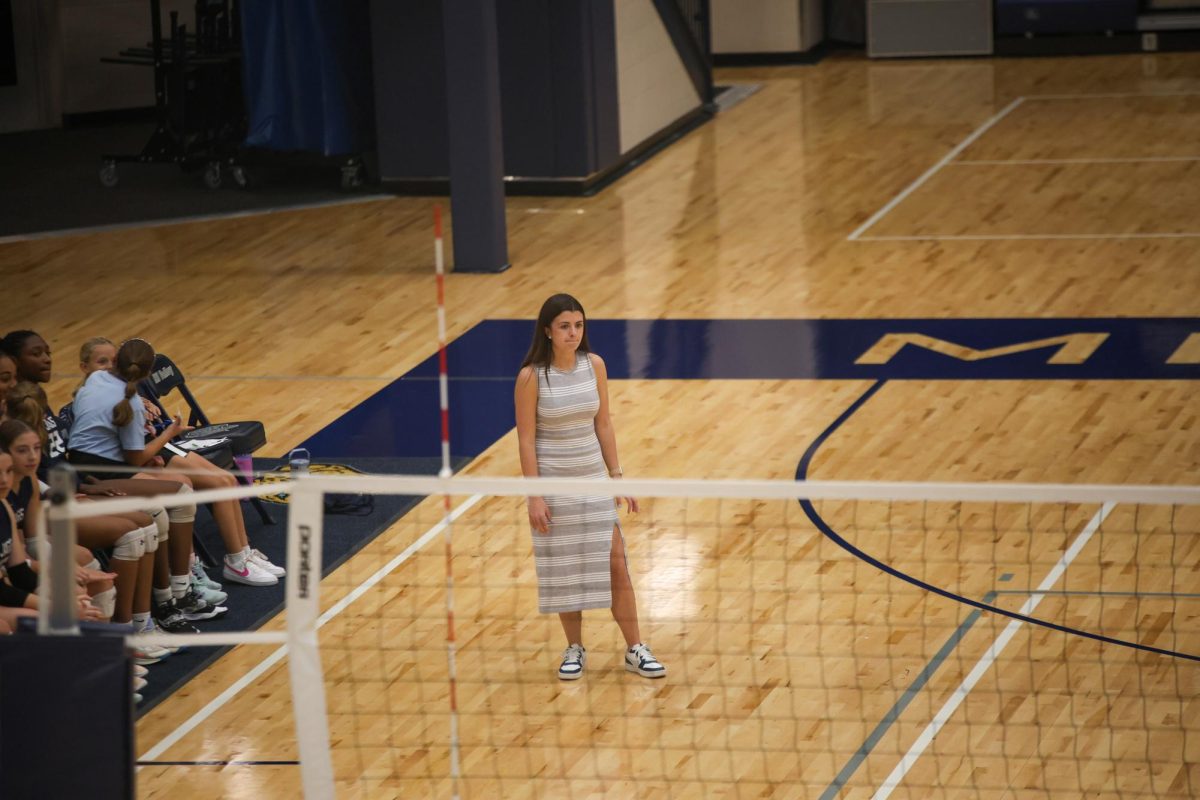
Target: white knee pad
(131, 546)
(33, 546)
(150, 537)
(161, 522)
(184, 513)
(106, 601)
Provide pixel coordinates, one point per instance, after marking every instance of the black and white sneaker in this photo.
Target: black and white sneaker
(639, 659)
(194, 607)
(573, 660)
(169, 619)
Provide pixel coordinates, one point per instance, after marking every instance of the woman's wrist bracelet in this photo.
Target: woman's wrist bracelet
(616, 473)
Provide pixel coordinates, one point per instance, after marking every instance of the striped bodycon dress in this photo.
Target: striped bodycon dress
(572, 559)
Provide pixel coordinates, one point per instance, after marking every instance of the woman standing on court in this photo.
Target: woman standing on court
(564, 431)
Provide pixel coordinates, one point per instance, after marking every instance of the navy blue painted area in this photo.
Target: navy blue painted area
(404, 417)
(401, 420)
(780, 349)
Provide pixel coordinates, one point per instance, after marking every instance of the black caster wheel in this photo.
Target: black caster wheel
(108, 174)
(352, 176)
(212, 175)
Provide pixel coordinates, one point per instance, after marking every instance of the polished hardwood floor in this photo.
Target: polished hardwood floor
(787, 655)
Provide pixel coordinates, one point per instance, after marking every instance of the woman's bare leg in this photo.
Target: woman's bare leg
(624, 603)
(572, 623)
(228, 513)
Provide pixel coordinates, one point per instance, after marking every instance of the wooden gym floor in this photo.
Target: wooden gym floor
(1047, 188)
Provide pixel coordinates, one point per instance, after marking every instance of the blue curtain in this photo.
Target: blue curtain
(307, 71)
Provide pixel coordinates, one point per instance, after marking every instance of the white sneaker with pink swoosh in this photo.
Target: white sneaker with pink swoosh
(240, 569)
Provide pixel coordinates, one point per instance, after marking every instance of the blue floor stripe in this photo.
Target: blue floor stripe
(821, 525)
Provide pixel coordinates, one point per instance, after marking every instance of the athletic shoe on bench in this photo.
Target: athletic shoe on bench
(199, 576)
(249, 573)
(170, 619)
(146, 654)
(214, 597)
(257, 558)
(194, 607)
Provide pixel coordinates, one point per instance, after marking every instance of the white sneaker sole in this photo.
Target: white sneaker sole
(570, 676)
(210, 613)
(248, 581)
(645, 673)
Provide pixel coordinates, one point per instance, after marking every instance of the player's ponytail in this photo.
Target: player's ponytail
(135, 359)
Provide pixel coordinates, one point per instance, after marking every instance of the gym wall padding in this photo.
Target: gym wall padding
(66, 717)
(558, 87)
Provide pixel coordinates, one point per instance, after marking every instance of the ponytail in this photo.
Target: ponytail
(135, 359)
(123, 411)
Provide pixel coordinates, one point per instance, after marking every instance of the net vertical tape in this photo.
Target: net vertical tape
(448, 530)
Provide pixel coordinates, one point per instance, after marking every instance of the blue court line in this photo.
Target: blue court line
(821, 525)
(911, 692)
(889, 719)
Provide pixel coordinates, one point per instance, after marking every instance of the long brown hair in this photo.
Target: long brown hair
(135, 359)
(27, 402)
(10, 429)
(541, 351)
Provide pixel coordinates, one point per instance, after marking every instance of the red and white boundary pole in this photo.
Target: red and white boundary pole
(444, 392)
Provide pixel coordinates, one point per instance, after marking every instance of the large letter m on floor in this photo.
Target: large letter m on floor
(1072, 348)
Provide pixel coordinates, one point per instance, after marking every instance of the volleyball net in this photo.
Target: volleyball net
(821, 639)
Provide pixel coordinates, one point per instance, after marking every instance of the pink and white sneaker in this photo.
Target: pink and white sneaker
(247, 572)
(261, 561)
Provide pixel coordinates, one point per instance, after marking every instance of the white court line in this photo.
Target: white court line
(267, 663)
(1024, 237)
(241, 378)
(983, 162)
(1111, 95)
(160, 223)
(988, 658)
(929, 173)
